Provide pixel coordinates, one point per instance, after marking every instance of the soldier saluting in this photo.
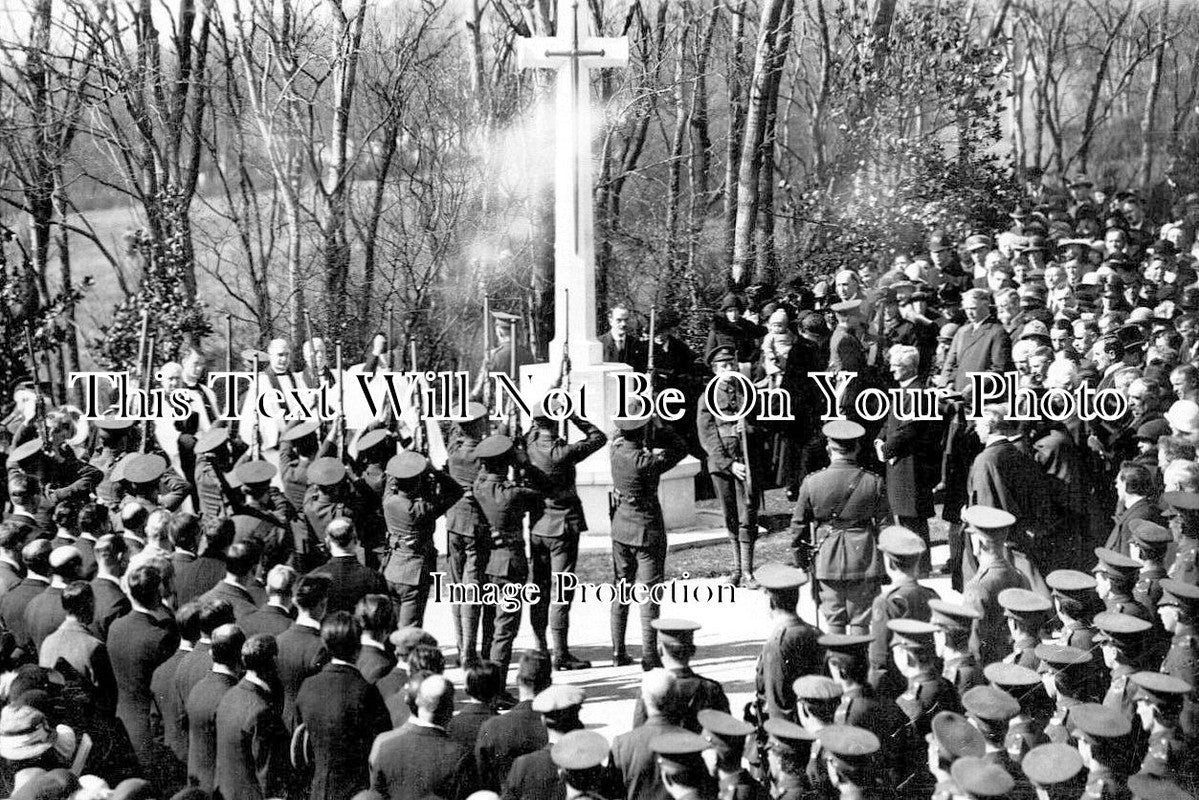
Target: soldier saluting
(468, 538)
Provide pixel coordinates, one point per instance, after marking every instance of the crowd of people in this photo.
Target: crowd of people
(201, 609)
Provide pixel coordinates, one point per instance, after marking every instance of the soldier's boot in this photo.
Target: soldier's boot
(563, 658)
(746, 550)
(734, 578)
(468, 655)
(620, 627)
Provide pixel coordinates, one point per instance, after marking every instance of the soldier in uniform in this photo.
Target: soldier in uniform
(1076, 603)
(978, 778)
(330, 496)
(927, 692)
(955, 624)
(1121, 638)
(850, 756)
(676, 648)
(147, 479)
(727, 737)
(413, 500)
(843, 505)
(215, 457)
(468, 538)
(62, 475)
(788, 751)
(298, 448)
(534, 775)
(903, 551)
(681, 765)
(1159, 700)
(1179, 611)
(579, 757)
(848, 663)
(114, 438)
(504, 504)
(989, 528)
(375, 449)
(990, 710)
(1065, 674)
(1182, 512)
(728, 465)
(952, 737)
(266, 503)
(554, 534)
(638, 528)
(1027, 616)
(1115, 577)
(790, 650)
(1103, 744)
(1148, 545)
(1055, 771)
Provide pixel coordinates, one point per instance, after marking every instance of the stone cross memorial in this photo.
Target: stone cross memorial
(574, 52)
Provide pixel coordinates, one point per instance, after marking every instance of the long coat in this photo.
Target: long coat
(342, 714)
(912, 461)
(301, 655)
(505, 738)
(145, 642)
(251, 755)
(202, 706)
(987, 349)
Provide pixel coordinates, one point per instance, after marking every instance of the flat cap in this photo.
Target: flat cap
(327, 471)
(373, 439)
(848, 741)
(111, 424)
(774, 576)
(1007, 676)
(1099, 721)
(682, 747)
(1049, 764)
(952, 615)
(1060, 656)
(580, 750)
(912, 633)
(300, 430)
(24, 451)
(1178, 593)
(1157, 685)
(212, 438)
(1024, 603)
(897, 540)
(1153, 430)
(254, 471)
(1149, 533)
(1181, 501)
(852, 643)
(846, 307)
(723, 724)
(978, 777)
(956, 737)
(1120, 626)
(64, 555)
(406, 465)
(719, 354)
(1067, 581)
(559, 697)
(986, 518)
(843, 430)
(788, 736)
(979, 241)
(1116, 564)
(145, 468)
(816, 687)
(493, 447)
(1147, 786)
(677, 628)
(989, 703)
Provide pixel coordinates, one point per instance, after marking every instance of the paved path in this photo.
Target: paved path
(728, 645)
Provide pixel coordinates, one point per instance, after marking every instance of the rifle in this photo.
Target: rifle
(39, 402)
(141, 348)
(562, 429)
(486, 352)
(256, 445)
(649, 367)
(418, 434)
(149, 371)
(393, 359)
(341, 405)
(228, 342)
(513, 408)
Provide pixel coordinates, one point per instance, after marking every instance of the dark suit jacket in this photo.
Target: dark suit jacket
(237, 596)
(144, 643)
(636, 765)
(75, 644)
(1121, 533)
(10, 576)
(268, 619)
(504, 739)
(196, 577)
(464, 727)
(44, 614)
(251, 745)
(166, 714)
(987, 349)
(422, 762)
(111, 604)
(301, 655)
(633, 353)
(352, 581)
(343, 714)
(202, 705)
(374, 663)
(534, 776)
(914, 446)
(13, 605)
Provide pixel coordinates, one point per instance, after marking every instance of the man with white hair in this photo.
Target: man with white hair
(632, 759)
(909, 448)
(980, 345)
(423, 761)
(276, 375)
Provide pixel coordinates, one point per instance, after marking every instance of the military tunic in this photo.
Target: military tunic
(906, 600)
(990, 637)
(411, 518)
(790, 651)
(468, 539)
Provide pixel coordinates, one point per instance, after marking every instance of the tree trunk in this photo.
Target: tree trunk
(732, 161)
(678, 137)
(1145, 163)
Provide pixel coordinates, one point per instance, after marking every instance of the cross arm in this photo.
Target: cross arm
(555, 52)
